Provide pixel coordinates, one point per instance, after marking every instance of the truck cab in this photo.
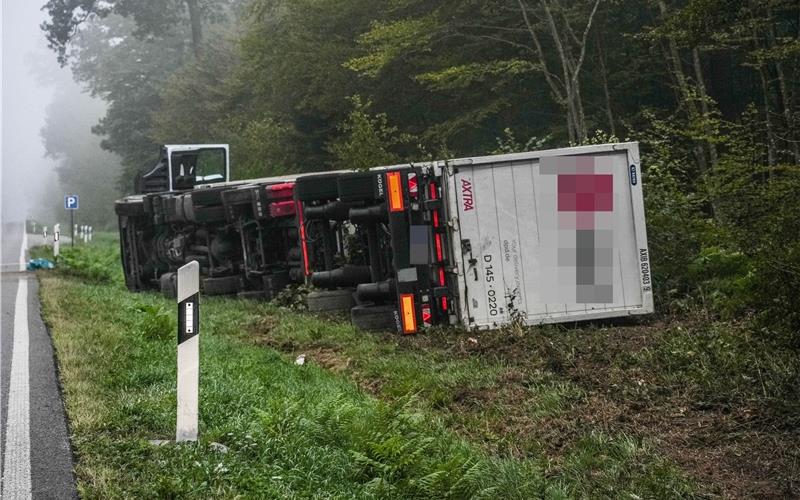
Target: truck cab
(183, 166)
(243, 233)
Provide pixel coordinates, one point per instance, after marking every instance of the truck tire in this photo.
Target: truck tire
(374, 318)
(221, 286)
(317, 187)
(329, 300)
(357, 186)
(130, 208)
(169, 285)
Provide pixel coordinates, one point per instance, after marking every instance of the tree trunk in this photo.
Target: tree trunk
(766, 98)
(701, 88)
(197, 27)
(683, 85)
(770, 133)
(604, 80)
(583, 132)
(786, 99)
(677, 66)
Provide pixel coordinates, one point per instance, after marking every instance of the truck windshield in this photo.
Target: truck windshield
(198, 166)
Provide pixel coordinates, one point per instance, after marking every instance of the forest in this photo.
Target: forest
(708, 87)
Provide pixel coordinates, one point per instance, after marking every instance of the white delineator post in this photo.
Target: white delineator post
(56, 236)
(188, 351)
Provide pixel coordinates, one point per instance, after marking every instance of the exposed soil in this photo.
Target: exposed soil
(732, 451)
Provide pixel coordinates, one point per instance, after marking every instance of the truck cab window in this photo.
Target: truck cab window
(203, 166)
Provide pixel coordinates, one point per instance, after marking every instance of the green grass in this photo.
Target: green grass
(291, 430)
(516, 414)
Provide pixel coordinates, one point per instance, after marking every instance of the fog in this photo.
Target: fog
(31, 80)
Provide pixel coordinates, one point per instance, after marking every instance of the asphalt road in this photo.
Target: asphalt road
(35, 452)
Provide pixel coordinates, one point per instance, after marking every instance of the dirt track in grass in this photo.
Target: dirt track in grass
(609, 379)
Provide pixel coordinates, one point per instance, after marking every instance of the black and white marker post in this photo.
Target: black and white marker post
(188, 351)
(56, 237)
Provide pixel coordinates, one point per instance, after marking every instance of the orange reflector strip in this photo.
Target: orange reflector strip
(303, 240)
(407, 313)
(395, 192)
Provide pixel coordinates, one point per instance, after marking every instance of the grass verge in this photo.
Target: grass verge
(596, 411)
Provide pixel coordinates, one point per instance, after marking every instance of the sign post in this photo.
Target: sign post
(188, 288)
(71, 204)
(56, 236)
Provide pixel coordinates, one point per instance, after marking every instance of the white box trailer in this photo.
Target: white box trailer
(548, 236)
(538, 237)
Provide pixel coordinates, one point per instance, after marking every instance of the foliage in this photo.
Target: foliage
(95, 263)
(292, 297)
(366, 140)
(152, 17)
(760, 210)
(708, 87)
(155, 322)
(509, 143)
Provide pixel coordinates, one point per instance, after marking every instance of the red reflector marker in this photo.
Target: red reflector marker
(426, 314)
(278, 191)
(413, 189)
(281, 208)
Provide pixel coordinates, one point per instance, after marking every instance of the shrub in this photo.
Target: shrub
(93, 263)
(155, 322)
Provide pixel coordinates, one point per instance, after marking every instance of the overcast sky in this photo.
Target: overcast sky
(30, 74)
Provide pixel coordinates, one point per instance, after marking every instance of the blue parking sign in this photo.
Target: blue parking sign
(71, 202)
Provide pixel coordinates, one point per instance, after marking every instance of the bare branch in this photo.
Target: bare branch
(583, 43)
(542, 60)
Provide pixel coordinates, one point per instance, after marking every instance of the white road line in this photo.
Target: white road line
(16, 482)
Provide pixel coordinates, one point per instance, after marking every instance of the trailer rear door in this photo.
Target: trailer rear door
(549, 236)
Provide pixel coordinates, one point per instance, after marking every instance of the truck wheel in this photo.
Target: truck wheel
(329, 300)
(316, 187)
(169, 285)
(129, 208)
(221, 286)
(357, 186)
(374, 318)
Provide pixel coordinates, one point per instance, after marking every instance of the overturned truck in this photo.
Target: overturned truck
(537, 237)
